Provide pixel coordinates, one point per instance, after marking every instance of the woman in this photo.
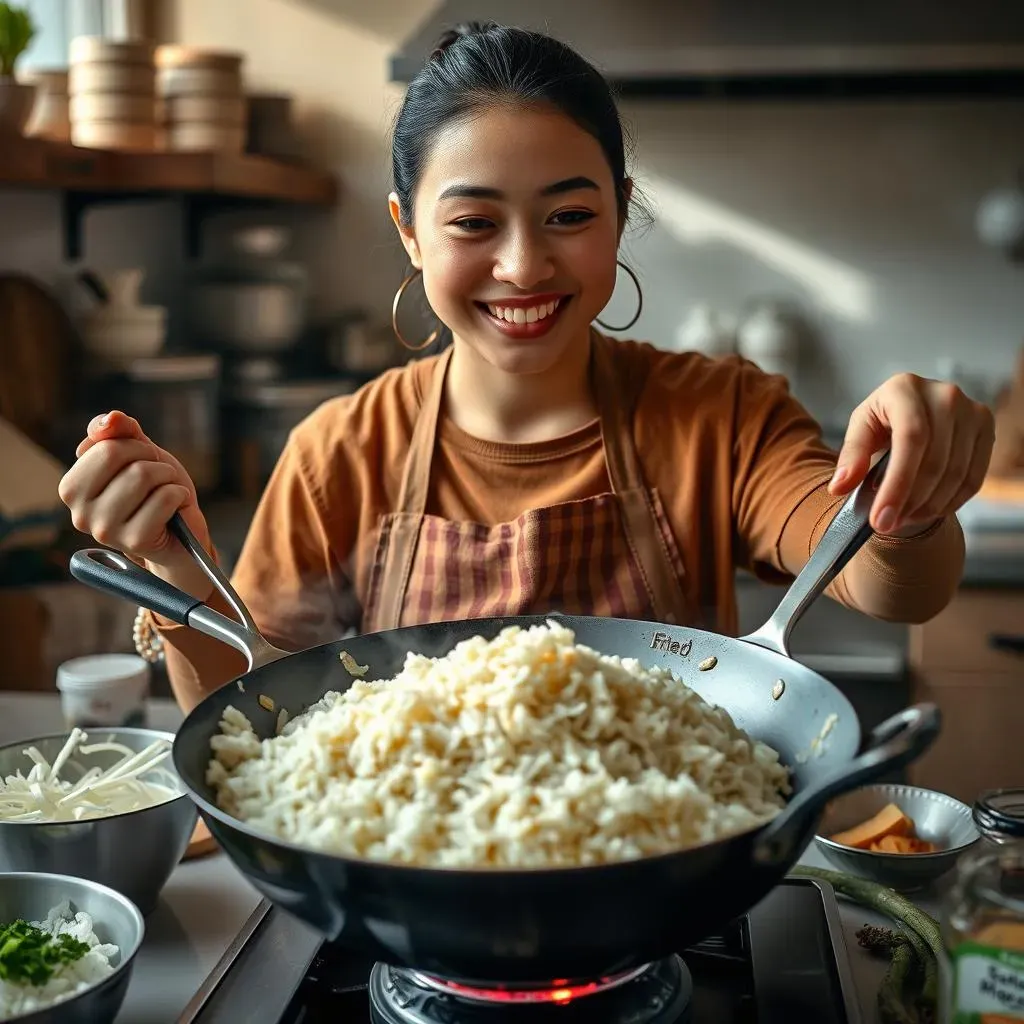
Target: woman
(537, 464)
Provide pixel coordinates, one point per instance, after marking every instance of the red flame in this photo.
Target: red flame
(560, 992)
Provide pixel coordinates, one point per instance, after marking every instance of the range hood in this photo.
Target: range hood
(767, 47)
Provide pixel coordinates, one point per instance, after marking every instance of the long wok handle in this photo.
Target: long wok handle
(846, 535)
(896, 742)
(116, 574)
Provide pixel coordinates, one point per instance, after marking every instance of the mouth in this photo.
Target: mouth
(525, 318)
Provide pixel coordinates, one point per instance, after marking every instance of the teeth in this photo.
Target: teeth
(521, 315)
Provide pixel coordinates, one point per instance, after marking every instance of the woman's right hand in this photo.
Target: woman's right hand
(123, 489)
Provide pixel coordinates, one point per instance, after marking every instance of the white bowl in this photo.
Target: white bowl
(120, 335)
(936, 816)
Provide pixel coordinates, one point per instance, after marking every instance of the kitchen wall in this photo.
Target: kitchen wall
(863, 214)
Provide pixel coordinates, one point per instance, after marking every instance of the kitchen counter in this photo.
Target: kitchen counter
(994, 559)
(207, 901)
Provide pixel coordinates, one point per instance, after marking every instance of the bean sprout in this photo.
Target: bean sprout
(43, 796)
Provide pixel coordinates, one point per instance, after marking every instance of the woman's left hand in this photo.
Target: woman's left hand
(940, 442)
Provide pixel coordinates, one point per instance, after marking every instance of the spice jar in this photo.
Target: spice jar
(984, 923)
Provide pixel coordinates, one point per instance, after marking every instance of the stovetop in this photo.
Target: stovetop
(785, 961)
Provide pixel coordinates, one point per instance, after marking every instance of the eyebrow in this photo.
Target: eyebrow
(462, 190)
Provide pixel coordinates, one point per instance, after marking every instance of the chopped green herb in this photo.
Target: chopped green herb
(30, 954)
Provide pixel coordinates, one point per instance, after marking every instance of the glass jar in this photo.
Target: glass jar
(984, 923)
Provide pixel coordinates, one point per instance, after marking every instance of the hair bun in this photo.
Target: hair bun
(461, 31)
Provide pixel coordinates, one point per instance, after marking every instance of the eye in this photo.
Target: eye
(472, 224)
(570, 218)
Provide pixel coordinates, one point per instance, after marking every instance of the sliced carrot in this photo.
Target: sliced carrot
(902, 844)
(889, 821)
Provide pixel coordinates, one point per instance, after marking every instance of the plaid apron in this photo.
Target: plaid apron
(609, 555)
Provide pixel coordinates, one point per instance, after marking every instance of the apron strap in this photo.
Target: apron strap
(404, 528)
(412, 497)
(639, 521)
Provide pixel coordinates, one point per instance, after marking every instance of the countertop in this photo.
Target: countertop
(206, 901)
(994, 559)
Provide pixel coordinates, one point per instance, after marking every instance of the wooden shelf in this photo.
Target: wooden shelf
(207, 183)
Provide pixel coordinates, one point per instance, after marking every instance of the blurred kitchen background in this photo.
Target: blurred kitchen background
(193, 227)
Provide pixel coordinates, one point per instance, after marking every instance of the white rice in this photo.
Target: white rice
(18, 997)
(525, 751)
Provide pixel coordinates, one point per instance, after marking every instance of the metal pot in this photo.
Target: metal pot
(250, 316)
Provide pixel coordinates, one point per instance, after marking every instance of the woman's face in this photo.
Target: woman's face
(516, 229)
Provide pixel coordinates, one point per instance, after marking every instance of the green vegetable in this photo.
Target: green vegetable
(903, 949)
(892, 1009)
(29, 954)
(17, 30)
(921, 931)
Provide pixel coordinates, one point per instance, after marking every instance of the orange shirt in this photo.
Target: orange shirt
(739, 465)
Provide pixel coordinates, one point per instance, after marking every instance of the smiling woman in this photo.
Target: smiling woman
(537, 464)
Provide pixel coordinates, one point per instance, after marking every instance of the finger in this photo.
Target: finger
(98, 466)
(146, 530)
(865, 435)
(123, 497)
(910, 432)
(947, 453)
(976, 472)
(963, 445)
(110, 425)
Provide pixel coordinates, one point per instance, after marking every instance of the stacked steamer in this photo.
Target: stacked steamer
(112, 94)
(202, 102)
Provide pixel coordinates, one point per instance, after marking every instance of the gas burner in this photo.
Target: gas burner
(658, 993)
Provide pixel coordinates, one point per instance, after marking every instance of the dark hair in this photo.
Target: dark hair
(476, 64)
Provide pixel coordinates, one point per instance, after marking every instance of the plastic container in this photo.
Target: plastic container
(104, 690)
(984, 920)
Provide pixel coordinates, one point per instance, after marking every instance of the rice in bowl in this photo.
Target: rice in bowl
(67, 978)
(525, 751)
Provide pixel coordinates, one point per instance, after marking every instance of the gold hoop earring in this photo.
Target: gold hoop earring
(431, 338)
(639, 303)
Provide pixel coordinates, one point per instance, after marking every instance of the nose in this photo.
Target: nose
(523, 260)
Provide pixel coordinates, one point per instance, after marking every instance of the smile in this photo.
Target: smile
(525, 319)
(523, 314)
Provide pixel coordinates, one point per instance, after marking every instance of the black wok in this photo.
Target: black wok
(534, 925)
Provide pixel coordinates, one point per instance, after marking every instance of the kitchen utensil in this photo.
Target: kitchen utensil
(134, 853)
(103, 690)
(252, 301)
(522, 925)
(120, 335)
(119, 330)
(936, 817)
(32, 895)
(250, 316)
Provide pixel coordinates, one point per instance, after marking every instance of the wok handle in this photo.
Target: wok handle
(846, 535)
(896, 742)
(116, 574)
